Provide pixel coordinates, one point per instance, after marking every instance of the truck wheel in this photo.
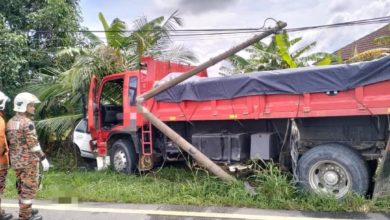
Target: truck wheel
(333, 169)
(123, 156)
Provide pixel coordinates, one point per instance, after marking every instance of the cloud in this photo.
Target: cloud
(330, 40)
(204, 14)
(194, 7)
(340, 17)
(338, 6)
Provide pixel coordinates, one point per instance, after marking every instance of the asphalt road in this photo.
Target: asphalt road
(117, 211)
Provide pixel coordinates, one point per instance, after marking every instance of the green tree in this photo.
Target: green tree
(32, 32)
(16, 12)
(277, 54)
(149, 38)
(122, 51)
(13, 61)
(12, 57)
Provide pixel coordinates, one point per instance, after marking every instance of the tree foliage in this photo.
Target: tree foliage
(13, 59)
(31, 33)
(121, 51)
(150, 38)
(277, 54)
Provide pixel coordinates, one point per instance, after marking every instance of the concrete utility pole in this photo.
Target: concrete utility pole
(170, 133)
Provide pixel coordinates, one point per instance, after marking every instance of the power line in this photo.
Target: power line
(379, 20)
(227, 31)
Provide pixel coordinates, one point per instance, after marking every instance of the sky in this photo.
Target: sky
(206, 14)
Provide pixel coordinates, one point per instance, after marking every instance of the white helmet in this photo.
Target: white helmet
(22, 100)
(3, 100)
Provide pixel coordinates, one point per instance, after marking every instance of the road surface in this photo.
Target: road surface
(118, 211)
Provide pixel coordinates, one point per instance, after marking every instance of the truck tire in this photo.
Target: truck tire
(123, 156)
(333, 169)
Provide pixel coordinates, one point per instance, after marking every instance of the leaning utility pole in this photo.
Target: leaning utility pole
(170, 133)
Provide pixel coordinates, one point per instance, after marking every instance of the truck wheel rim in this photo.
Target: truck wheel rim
(120, 161)
(330, 177)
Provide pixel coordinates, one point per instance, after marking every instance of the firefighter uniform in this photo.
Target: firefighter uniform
(4, 163)
(25, 154)
(4, 160)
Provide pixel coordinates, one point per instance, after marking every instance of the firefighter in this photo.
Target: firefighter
(4, 160)
(25, 153)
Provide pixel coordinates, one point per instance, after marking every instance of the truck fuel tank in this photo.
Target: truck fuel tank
(223, 147)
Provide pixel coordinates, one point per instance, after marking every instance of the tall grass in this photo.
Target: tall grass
(172, 185)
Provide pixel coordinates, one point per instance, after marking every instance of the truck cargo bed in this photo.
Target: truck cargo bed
(340, 90)
(286, 81)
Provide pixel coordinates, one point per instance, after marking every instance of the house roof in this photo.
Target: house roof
(365, 43)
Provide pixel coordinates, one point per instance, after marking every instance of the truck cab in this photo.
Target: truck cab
(113, 121)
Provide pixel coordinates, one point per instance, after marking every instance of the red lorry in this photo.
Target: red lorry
(329, 125)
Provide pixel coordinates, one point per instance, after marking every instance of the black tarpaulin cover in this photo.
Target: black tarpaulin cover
(287, 81)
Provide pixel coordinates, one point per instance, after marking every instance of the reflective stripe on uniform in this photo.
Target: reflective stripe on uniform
(26, 201)
(36, 148)
(14, 125)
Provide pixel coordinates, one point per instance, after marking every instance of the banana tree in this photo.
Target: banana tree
(277, 54)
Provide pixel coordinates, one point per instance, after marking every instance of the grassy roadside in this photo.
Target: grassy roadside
(184, 186)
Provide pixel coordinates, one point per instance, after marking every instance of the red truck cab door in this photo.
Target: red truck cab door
(93, 108)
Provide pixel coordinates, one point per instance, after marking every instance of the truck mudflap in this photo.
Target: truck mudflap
(382, 182)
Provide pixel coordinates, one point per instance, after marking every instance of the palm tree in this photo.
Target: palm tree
(62, 97)
(277, 55)
(150, 38)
